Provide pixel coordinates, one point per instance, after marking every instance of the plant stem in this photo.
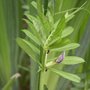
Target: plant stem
(41, 84)
(43, 80)
(42, 72)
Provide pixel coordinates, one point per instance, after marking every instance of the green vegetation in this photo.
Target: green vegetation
(44, 45)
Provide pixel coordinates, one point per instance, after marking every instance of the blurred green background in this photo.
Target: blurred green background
(13, 59)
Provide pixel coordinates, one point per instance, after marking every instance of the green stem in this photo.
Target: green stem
(43, 60)
(43, 80)
(41, 84)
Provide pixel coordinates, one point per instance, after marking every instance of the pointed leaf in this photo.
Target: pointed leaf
(66, 75)
(39, 25)
(72, 60)
(46, 24)
(26, 47)
(31, 36)
(34, 4)
(50, 17)
(67, 31)
(35, 21)
(60, 26)
(54, 41)
(33, 30)
(66, 47)
(56, 32)
(60, 43)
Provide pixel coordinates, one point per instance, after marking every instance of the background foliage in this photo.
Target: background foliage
(13, 60)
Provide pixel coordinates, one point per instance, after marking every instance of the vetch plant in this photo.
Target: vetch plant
(47, 43)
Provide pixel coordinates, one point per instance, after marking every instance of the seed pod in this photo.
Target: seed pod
(61, 57)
